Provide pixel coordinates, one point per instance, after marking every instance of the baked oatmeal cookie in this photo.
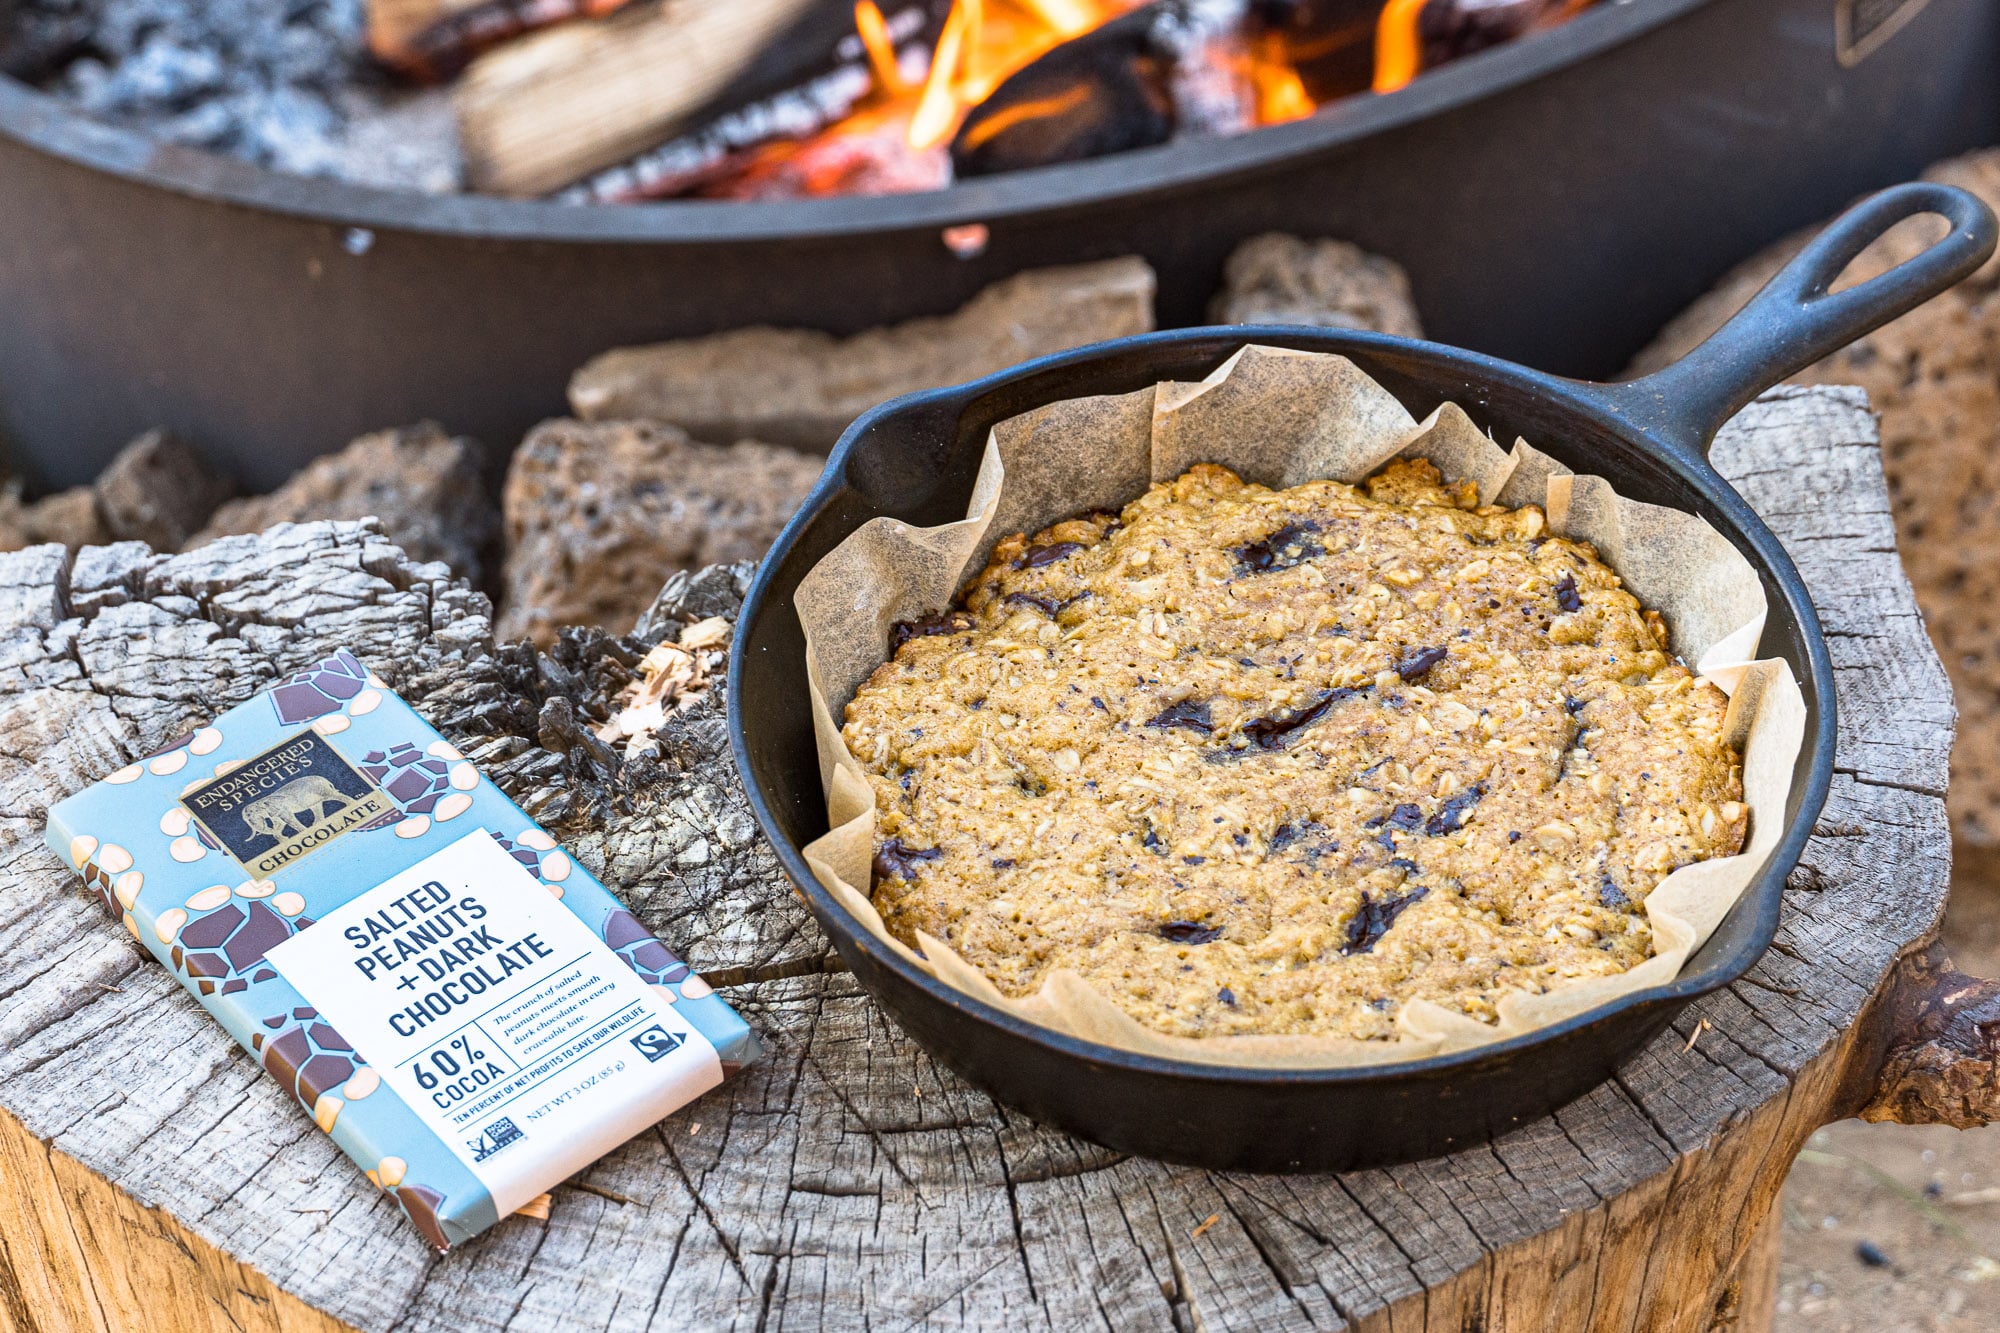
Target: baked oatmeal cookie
(1258, 761)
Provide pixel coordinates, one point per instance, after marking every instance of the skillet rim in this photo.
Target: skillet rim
(1603, 403)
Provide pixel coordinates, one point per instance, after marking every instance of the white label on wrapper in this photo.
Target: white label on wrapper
(509, 1027)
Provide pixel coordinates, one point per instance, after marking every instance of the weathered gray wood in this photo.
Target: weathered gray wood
(847, 1181)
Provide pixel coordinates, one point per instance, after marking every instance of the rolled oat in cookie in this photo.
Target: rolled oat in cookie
(1259, 761)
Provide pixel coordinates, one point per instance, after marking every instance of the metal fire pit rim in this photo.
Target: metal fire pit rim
(47, 124)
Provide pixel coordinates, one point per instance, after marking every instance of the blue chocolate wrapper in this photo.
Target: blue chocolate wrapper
(467, 1011)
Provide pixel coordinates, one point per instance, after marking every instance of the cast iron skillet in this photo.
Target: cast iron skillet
(914, 458)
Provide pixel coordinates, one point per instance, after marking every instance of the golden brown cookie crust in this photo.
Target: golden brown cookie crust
(1258, 761)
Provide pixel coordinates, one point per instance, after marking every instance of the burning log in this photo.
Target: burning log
(1047, 81)
(1106, 91)
(432, 41)
(545, 111)
(724, 150)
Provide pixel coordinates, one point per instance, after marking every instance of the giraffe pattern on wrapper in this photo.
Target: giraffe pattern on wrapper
(219, 938)
(426, 787)
(313, 1062)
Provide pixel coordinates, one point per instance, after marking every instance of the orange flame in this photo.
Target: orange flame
(1067, 17)
(1279, 91)
(897, 140)
(981, 43)
(881, 48)
(938, 108)
(1399, 47)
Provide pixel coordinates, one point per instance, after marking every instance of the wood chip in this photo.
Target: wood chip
(1208, 1222)
(710, 633)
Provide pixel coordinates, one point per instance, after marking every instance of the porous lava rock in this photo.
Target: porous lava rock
(68, 518)
(427, 487)
(801, 387)
(159, 490)
(1280, 279)
(1934, 375)
(598, 514)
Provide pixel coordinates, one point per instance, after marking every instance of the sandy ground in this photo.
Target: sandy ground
(1897, 1227)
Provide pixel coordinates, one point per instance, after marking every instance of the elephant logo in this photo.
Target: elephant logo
(287, 802)
(292, 808)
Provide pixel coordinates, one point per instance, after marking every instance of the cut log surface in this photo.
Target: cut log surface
(846, 1181)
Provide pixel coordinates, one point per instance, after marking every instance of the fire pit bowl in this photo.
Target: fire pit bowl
(1594, 178)
(915, 459)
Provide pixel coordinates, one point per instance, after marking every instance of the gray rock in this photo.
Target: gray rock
(800, 387)
(599, 514)
(1279, 279)
(159, 490)
(427, 488)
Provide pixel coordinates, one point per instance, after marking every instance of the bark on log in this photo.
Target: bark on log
(1943, 1067)
(846, 1181)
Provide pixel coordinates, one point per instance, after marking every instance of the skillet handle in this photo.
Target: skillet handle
(1794, 321)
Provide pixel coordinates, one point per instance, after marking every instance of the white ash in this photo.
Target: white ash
(282, 83)
(1204, 41)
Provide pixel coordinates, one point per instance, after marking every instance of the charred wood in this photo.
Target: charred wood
(1942, 1062)
(34, 44)
(1107, 91)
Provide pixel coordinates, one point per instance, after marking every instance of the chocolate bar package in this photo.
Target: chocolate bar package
(463, 1007)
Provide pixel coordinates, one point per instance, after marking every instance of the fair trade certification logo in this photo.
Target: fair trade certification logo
(288, 802)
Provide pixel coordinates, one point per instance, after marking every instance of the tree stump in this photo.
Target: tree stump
(846, 1181)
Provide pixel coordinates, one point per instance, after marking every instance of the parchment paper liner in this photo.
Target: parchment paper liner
(1281, 418)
